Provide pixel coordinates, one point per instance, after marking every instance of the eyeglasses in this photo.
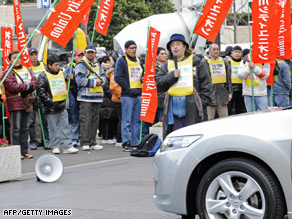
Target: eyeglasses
(133, 47)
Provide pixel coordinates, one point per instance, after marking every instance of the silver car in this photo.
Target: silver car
(234, 167)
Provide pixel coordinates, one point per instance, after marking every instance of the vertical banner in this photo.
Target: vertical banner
(21, 38)
(284, 38)
(7, 45)
(264, 31)
(149, 99)
(86, 17)
(64, 21)
(104, 16)
(211, 20)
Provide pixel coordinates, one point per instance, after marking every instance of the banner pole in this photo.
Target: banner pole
(192, 33)
(251, 71)
(141, 128)
(24, 47)
(93, 30)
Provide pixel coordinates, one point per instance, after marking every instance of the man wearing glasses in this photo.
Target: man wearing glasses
(128, 73)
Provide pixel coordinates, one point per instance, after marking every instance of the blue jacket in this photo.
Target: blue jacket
(122, 77)
(283, 84)
(84, 83)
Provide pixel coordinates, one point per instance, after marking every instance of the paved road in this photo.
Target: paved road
(100, 184)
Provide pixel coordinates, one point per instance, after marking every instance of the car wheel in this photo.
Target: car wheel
(239, 189)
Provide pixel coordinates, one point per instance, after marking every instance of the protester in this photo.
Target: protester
(227, 53)
(236, 105)
(74, 108)
(188, 88)
(128, 73)
(282, 86)
(260, 74)
(5, 116)
(245, 54)
(89, 78)
(19, 85)
(221, 83)
(52, 93)
(35, 131)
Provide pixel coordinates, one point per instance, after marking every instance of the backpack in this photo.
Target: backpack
(147, 147)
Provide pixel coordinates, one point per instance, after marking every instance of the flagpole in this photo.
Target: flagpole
(251, 71)
(141, 127)
(192, 33)
(24, 47)
(71, 65)
(3, 105)
(93, 30)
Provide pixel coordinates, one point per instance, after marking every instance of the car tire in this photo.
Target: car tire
(239, 188)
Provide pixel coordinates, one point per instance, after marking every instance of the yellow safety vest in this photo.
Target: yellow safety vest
(218, 71)
(38, 69)
(24, 74)
(234, 72)
(256, 79)
(185, 84)
(57, 86)
(93, 76)
(135, 73)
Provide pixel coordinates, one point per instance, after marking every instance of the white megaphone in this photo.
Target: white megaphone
(48, 168)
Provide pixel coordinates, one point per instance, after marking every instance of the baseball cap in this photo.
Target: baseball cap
(78, 52)
(90, 48)
(32, 50)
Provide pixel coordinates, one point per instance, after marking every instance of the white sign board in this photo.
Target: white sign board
(45, 4)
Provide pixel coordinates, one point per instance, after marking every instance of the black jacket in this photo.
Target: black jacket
(45, 95)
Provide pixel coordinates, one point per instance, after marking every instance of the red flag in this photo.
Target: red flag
(7, 45)
(211, 20)
(86, 17)
(284, 39)
(104, 16)
(21, 38)
(149, 99)
(270, 79)
(264, 31)
(63, 22)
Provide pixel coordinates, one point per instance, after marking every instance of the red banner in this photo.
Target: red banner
(211, 20)
(264, 31)
(63, 22)
(21, 38)
(86, 17)
(149, 99)
(284, 38)
(104, 16)
(270, 79)
(7, 45)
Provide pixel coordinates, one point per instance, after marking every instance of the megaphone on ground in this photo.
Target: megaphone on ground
(48, 168)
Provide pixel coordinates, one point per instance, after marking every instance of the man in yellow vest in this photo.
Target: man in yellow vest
(52, 92)
(89, 79)
(35, 134)
(128, 73)
(221, 83)
(236, 105)
(187, 84)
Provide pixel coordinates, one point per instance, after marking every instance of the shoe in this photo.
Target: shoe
(47, 145)
(33, 146)
(75, 144)
(56, 151)
(71, 150)
(28, 156)
(111, 141)
(97, 147)
(86, 148)
(127, 146)
(21, 157)
(104, 141)
(118, 144)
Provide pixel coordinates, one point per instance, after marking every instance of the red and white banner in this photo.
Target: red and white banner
(21, 38)
(6, 44)
(64, 21)
(211, 20)
(264, 31)
(86, 17)
(270, 79)
(104, 16)
(149, 99)
(284, 38)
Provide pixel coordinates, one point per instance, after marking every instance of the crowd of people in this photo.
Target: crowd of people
(105, 94)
